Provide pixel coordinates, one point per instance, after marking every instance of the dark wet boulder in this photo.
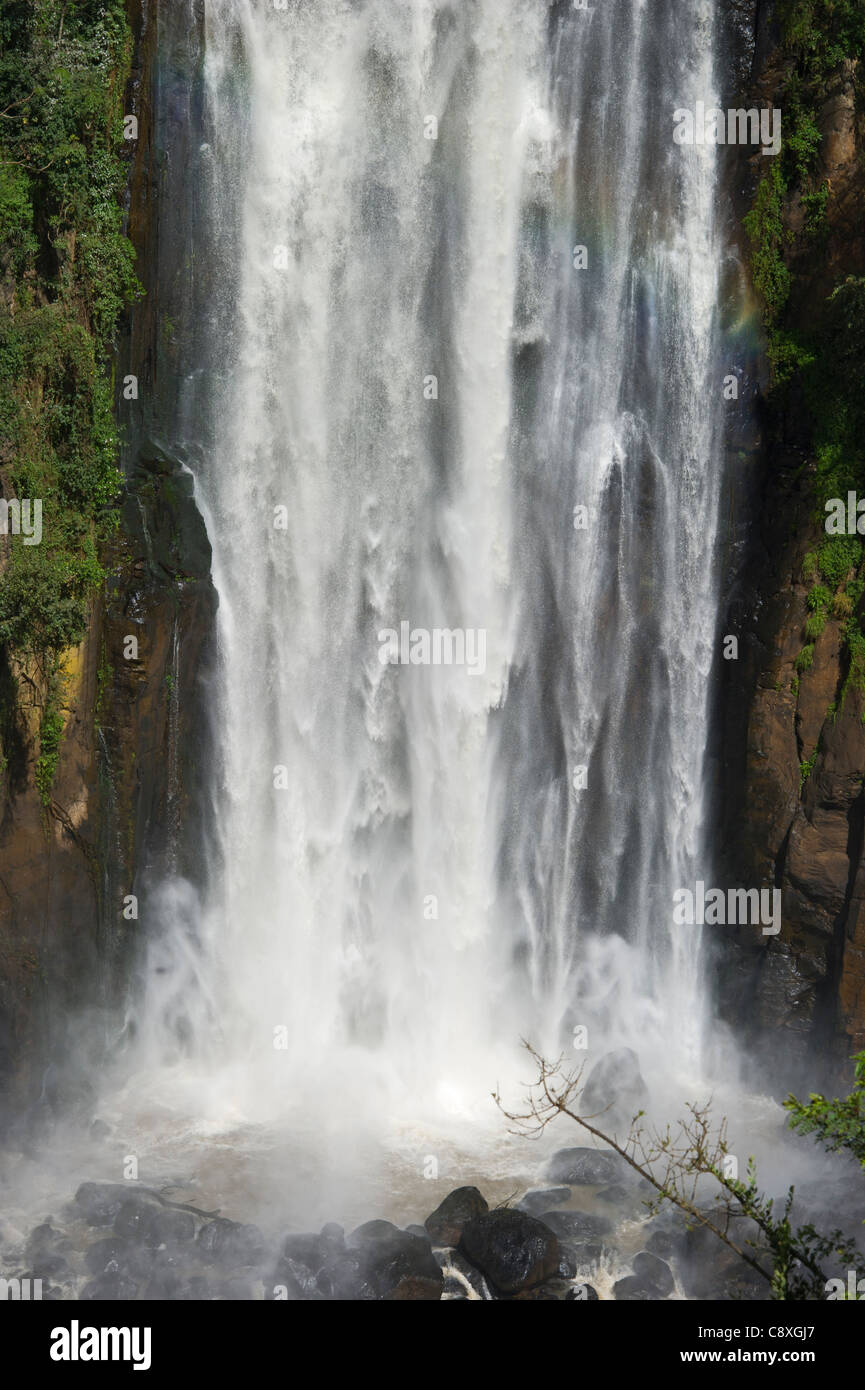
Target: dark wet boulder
(652, 1279)
(318, 1266)
(342, 1278)
(515, 1251)
(41, 1238)
(152, 1223)
(117, 1255)
(45, 1252)
(633, 1290)
(393, 1264)
(113, 1288)
(303, 1259)
(282, 1287)
(582, 1293)
(135, 1216)
(577, 1225)
(197, 1289)
(539, 1293)
(165, 1286)
(615, 1090)
(171, 1226)
(445, 1225)
(589, 1168)
(230, 1243)
(106, 1255)
(667, 1243)
(50, 1265)
(99, 1202)
(541, 1199)
(654, 1272)
(421, 1231)
(237, 1289)
(306, 1249)
(615, 1195)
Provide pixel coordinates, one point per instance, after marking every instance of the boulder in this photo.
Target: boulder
(615, 1089)
(230, 1243)
(109, 1288)
(445, 1225)
(303, 1259)
(577, 1225)
(539, 1293)
(140, 1218)
(515, 1251)
(44, 1252)
(99, 1202)
(582, 1293)
(118, 1256)
(666, 1242)
(654, 1272)
(633, 1290)
(541, 1199)
(589, 1168)
(333, 1236)
(615, 1195)
(651, 1279)
(393, 1264)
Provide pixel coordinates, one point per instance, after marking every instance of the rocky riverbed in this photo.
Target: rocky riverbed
(587, 1235)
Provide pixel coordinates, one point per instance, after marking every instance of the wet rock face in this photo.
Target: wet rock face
(65, 947)
(542, 1199)
(126, 1242)
(577, 1225)
(583, 1167)
(514, 1251)
(394, 1264)
(789, 751)
(378, 1261)
(445, 1224)
(615, 1090)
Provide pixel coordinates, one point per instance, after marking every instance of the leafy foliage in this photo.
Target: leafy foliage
(839, 1125)
(66, 273)
(790, 1258)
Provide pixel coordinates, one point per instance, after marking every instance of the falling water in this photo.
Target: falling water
(417, 380)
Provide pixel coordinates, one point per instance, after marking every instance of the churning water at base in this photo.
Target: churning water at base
(462, 292)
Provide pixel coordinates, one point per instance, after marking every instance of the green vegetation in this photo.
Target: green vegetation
(816, 351)
(805, 658)
(839, 1125)
(769, 236)
(818, 601)
(66, 273)
(50, 734)
(793, 1262)
(807, 767)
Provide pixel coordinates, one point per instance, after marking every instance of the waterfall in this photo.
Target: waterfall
(459, 294)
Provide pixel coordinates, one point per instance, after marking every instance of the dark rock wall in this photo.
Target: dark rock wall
(796, 1001)
(131, 756)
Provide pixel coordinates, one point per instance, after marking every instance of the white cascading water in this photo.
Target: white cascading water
(429, 885)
